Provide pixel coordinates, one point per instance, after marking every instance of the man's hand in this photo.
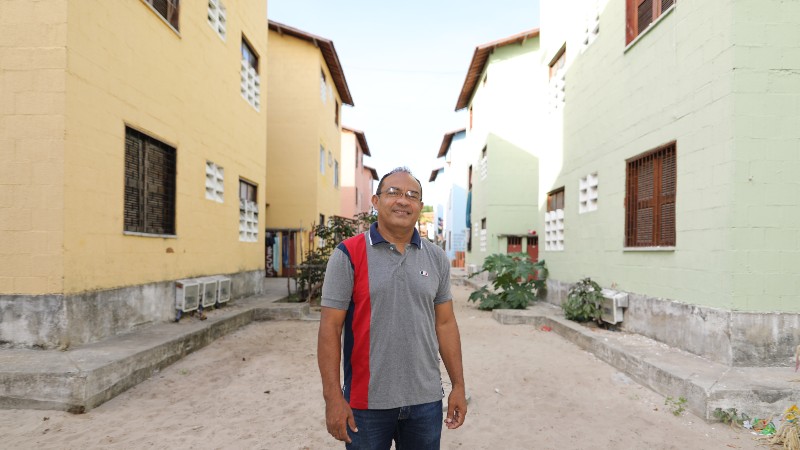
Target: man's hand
(456, 408)
(339, 416)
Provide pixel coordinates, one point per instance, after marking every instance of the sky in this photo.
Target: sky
(405, 64)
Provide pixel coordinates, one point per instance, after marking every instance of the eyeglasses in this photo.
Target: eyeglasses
(396, 193)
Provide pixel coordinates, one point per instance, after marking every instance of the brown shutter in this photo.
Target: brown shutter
(644, 14)
(666, 4)
(644, 203)
(160, 189)
(134, 189)
(650, 198)
(667, 198)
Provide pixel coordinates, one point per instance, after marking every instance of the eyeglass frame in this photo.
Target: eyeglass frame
(401, 193)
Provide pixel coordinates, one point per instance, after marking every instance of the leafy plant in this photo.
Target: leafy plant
(517, 282)
(311, 272)
(677, 407)
(730, 416)
(583, 303)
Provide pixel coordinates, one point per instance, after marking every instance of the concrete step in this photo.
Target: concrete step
(706, 385)
(84, 377)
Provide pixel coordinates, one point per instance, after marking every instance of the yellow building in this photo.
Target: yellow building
(134, 154)
(307, 88)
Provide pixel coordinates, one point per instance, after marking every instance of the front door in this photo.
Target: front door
(514, 244)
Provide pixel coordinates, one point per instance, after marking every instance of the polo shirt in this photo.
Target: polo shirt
(390, 350)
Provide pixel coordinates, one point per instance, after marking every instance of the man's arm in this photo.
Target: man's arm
(338, 414)
(450, 349)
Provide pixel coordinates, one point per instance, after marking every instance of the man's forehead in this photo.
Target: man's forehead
(401, 179)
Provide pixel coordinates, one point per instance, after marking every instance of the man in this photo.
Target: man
(389, 291)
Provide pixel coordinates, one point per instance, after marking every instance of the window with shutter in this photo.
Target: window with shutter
(149, 185)
(650, 198)
(641, 13)
(554, 221)
(168, 9)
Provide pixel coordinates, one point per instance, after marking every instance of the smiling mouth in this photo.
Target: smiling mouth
(398, 211)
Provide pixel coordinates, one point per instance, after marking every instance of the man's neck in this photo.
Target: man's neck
(397, 237)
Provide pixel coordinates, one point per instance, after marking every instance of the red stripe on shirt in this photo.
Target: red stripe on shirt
(359, 360)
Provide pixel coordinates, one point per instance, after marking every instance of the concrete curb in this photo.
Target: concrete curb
(706, 385)
(83, 378)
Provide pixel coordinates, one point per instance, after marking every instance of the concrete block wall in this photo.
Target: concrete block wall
(32, 132)
(733, 338)
(67, 320)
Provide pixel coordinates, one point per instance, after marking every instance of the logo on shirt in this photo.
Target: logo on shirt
(423, 273)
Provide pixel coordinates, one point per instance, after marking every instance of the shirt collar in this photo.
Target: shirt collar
(376, 238)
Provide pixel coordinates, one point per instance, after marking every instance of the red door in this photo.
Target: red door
(533, 248)
(514, 244)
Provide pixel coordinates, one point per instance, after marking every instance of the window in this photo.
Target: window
(336, 173)
(592, 28)
(215, 188)
(217, 17)
(168, 9)
(248, 211)
(587, 189)
(558, 75)
(554, 221)
(251, 81)
(484, 167)
(149, 185)
(470, 117)
(639, 14)
(650, 198)
(323, 86)
(322, 160)
(482, 239)
(336, 113)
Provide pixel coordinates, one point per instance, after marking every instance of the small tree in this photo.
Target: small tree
(311, 272)
(583, 303)
(517, 282)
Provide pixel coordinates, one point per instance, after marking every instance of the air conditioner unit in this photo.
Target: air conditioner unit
(223, 289)
(612, 304)
(187, 295)
(209, 287)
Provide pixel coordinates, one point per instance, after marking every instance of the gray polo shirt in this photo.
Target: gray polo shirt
(390, 349)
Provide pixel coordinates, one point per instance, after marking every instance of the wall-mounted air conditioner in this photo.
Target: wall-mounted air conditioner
(209, 287)
(612, 304)
(223, 289)
(187, 295)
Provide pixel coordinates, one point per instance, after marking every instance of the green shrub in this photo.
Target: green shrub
(583, 303)
(517, 282)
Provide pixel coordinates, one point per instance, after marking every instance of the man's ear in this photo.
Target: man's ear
(374, 201)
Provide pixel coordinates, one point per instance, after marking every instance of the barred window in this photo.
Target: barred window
(248, 211)
(168, 9)
(149, 184)
(250, 79)
(639, 14)
(650, 198)
(554, 221)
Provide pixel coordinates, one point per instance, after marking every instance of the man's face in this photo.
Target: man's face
(399, 212)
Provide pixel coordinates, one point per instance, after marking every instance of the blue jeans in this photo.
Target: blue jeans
(416, 427)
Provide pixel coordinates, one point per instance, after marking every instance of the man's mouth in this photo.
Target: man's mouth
(399, 211)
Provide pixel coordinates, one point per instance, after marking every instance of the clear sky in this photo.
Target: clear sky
(405, 63)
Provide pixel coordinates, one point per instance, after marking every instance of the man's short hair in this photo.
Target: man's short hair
(402, 169)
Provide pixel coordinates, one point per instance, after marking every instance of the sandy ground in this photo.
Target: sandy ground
(259, 388)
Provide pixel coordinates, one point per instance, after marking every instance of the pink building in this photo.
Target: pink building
(357, 179)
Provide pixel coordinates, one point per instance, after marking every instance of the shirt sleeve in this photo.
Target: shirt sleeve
(337, 288)
(443, 294)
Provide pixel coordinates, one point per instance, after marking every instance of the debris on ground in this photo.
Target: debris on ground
(784, 431)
